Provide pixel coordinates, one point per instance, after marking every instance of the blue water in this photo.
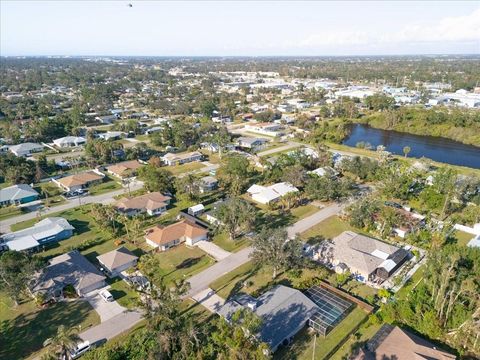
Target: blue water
(435, 148)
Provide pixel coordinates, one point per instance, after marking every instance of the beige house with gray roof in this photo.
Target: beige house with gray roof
(118, 260)
(366, 258)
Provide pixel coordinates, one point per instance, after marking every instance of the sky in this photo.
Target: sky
(238, 28)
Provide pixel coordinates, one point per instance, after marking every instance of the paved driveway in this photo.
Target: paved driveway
(312, 220)
(209, 299)
(106, 310)
(213, 250)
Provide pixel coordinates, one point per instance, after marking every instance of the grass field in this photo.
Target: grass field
(302, 347)
(9, 211)
(105, 187)
(24, 328)
(223, 240)
(180, 169)
(327, 229)
(463, 238)
(181, 262)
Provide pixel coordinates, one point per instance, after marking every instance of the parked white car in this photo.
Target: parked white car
(81, 349)
(106, 295)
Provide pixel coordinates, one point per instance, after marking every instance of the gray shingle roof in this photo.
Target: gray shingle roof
(116, 258)
(16, 192)
(68, 269)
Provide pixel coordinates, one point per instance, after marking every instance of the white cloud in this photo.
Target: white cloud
(449, 29)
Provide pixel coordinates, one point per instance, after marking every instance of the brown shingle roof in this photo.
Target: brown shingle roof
(80, 179)
(116, 258)
(392, 342)
(163, 235)
(122, 167)
(150, 201)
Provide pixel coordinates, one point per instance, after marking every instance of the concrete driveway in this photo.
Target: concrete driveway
(106, 310)
(213, 250)
(209, 299)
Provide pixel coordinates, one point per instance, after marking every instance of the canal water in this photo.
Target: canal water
(435, 148)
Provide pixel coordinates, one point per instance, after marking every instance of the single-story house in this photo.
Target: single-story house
(45, 231)
(68, 269)
(196, 210)
(118, 260)
(211, 215)
(80, 181)
(108, 119)
(255, 144)
(25, 149)
(124, 169)
(208, 183)
(153, 203)
(69, 141)
(269, 129)
(324, 171)
(284, 312)
(112, 135)
(268, 194)
(392, 342)
(366, 258)
(165, 237)
(17, 194)
(172, 159)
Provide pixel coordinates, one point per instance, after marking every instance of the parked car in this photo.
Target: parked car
(106, 295)
(80, 349)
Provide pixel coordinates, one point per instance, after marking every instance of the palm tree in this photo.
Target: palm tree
(406, 150)
(63, 341)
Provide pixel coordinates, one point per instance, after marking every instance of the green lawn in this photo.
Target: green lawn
(85, 230)
(405, 291)
(105, 187)
(223, 240)
(9, 211)
(180, 169)
(302, 347)
(24, 329)
(182, 262)
(123, 293)
(363, 334)
(463, 238)
(303, 211)
(327, 229)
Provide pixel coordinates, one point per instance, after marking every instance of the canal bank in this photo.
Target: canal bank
(436, 148)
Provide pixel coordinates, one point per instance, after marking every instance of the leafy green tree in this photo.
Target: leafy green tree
(156, 179)
(235, 215)
(17, 270)
(325, 188)
(188, 185)
(234, 174)
(271, 247)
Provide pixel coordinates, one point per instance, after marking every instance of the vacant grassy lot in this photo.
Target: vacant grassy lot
(24, 328)
(107, 186)
(180, 169)
(327, 229)
(181, 262)
(302, 347)
(223, 240)
(364, 333)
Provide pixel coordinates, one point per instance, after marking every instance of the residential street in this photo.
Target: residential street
(112, 327)
(289, 145)
(202, 280)
(106, 198)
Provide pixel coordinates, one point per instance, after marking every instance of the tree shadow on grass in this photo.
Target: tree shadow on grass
(188, 263)
(26, 333)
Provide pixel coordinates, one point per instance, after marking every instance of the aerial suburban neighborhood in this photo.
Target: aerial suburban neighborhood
(254, 207)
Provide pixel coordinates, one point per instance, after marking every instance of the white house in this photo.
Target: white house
(269, 129)
(178, 159)
(69, 141)
(25, 149)
(268, 194)
(196, 209)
